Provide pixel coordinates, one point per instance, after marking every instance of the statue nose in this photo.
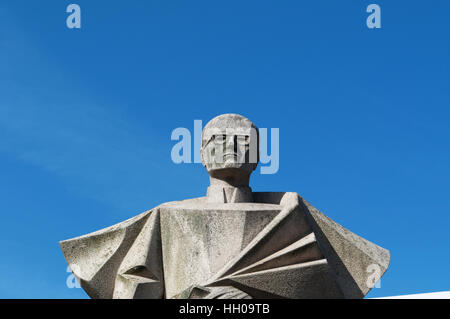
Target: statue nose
(231, 144)
(230, 141)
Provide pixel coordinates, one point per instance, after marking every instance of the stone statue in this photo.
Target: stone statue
(233, 243)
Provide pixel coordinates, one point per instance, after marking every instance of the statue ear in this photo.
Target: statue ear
(201, 154)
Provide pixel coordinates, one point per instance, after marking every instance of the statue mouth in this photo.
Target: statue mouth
(230, 154)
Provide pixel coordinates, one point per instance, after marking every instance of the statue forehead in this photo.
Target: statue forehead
(228, 123)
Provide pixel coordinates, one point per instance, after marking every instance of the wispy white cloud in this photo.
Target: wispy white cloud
(46, 121)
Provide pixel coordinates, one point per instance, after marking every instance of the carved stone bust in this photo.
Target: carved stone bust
(230, 154)
(232, 243)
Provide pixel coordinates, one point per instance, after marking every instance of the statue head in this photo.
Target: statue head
(230, 148)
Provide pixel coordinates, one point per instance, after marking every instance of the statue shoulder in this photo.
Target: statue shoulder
(277, 198)
(95, 257)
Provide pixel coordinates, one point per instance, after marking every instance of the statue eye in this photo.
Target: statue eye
(243, 139)
(219, 139)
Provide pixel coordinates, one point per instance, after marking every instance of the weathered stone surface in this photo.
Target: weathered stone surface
(197, 240)
(350, 255)
(233, 243)
(95, 258)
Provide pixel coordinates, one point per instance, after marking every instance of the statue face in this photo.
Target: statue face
(230, 142)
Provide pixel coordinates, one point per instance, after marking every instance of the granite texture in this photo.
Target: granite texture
(232, 243)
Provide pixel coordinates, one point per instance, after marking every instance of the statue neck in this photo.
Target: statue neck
(225, 191)
(221, 194)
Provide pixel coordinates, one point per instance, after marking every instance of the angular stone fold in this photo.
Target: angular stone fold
(233, 243)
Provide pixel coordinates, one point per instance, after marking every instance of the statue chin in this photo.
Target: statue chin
(231, 165)
(229, 170)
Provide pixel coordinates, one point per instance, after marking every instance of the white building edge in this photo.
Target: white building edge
(432, 295)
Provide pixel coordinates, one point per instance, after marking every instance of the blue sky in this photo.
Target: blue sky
(86, 117)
